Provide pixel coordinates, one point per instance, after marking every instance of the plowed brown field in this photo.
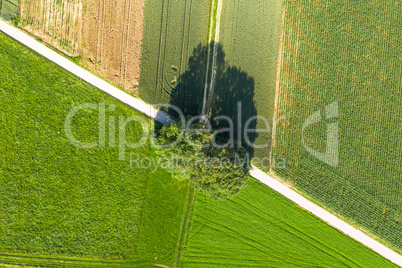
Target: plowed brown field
(112, 37)
(107, 35)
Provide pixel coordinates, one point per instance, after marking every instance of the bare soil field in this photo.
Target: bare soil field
(112, 38)
(107, 35)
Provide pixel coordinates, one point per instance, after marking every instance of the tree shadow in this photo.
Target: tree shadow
(187, 94)
(232, 96)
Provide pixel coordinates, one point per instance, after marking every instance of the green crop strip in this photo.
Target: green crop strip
(247, 63)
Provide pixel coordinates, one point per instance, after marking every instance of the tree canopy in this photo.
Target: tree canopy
(194, 153)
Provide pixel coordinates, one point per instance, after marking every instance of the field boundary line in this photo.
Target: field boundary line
(187, 225)
(57, 261)
(278, 78)
(208, 57)
(215, 55)
(206, 104)
(181, 242)
(181, 226)
(326, 216)
(85, 75)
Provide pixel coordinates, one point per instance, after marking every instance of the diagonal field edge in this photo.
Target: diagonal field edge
(162, 118)
(326, 216)
(84, 74)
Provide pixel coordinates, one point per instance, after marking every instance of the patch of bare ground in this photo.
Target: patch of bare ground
(112, 38)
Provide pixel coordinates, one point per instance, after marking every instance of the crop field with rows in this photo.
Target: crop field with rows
(8, 9)
(111, 41)
(247, 63)
(346, 53)
(260, 228)
(57, 23)
(174, 53)
(104, 37)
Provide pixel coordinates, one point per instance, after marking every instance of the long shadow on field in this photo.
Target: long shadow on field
(233, 95)
(187, 93)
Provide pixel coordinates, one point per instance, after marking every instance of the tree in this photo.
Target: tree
(218, 172)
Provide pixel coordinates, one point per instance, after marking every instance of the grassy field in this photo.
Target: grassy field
(350, 53)
(260, 228)
(61, 201)
(247, 62)
(174, 53)
(8, 9)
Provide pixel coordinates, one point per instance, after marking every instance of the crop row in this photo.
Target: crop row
(349, 53)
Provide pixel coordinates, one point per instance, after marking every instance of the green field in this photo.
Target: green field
(174, 53)
(247, 62)
(8, 9)
(77, 205)
(347, 52)
(260, 228)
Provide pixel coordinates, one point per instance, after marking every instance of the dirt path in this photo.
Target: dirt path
(277, 117)
(208, 93)
(207, 71)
